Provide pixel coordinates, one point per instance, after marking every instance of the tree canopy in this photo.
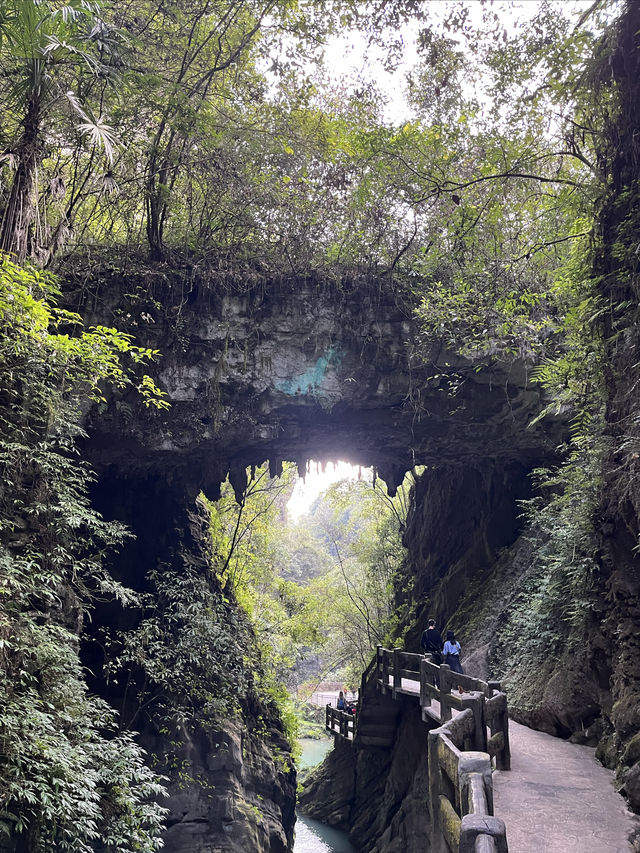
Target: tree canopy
(213, 129)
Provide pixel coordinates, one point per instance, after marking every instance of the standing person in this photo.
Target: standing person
(431, 642)
(451, 652)
(341, 704)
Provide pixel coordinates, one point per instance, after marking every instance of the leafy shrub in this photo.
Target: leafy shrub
(190, 655)
(68, 780)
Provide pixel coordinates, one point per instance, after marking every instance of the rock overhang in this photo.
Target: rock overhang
(298, 371)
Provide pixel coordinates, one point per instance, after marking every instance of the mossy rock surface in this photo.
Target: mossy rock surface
(607, 751)
(632, 752)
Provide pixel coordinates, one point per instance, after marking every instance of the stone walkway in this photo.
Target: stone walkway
(558, 799)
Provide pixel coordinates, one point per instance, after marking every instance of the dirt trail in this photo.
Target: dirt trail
(558, 799)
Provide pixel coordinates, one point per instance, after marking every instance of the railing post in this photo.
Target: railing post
(381, 667)
(503, 758)
(425, 676)
(327, 724)
(476, 703)
(445, 689)
(397, 678)
(475, 783)
(437, 840)
(482, 825)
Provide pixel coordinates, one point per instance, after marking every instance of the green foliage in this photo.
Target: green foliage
(69, 781)
(241, 148)
(478, 208)
(549, 617)
(57, 54)
(514, 183)
(247, 538)
(195, 659)
(551, 613)
(357, 597)
(71, 367)
(365, 532)
(518, 285)
(340, 604)
(188, 662)
(242, 529)
(303, 552)
(311, 720)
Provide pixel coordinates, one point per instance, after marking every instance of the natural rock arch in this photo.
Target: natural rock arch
(300, 369)
(295, 370)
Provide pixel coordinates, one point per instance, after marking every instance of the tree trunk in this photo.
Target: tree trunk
(20, 210)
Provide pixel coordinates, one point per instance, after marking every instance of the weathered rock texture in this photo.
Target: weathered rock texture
(476, 571)
(616, 268)
(297, 370)
(232, 786)
(473, 569)
(240, 802)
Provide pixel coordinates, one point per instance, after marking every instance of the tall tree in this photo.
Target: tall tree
(49, 50)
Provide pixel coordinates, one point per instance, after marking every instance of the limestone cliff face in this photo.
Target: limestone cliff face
(480, 580)
(299, 369)
(475, 571)
(242, 800)
(618, 521)
(231, 777)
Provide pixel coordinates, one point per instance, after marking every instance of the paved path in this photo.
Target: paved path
(558, 799)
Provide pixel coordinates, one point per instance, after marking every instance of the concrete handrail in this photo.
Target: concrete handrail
(436, 682)
(461, 792)
(460, 750)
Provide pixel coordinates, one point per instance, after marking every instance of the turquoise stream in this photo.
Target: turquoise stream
(311, 835)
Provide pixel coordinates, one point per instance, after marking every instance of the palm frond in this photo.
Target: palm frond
(54, 44)
(101, 135)
(76, 105)
(70, 13)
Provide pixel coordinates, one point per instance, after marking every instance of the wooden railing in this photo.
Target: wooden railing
(460, 749)
(341, 723)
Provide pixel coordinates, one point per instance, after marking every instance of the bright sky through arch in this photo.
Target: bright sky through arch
(317, 481)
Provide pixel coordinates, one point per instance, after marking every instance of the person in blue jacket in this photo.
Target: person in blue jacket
(451, 653)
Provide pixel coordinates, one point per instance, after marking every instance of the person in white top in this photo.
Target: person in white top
(451, 653)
